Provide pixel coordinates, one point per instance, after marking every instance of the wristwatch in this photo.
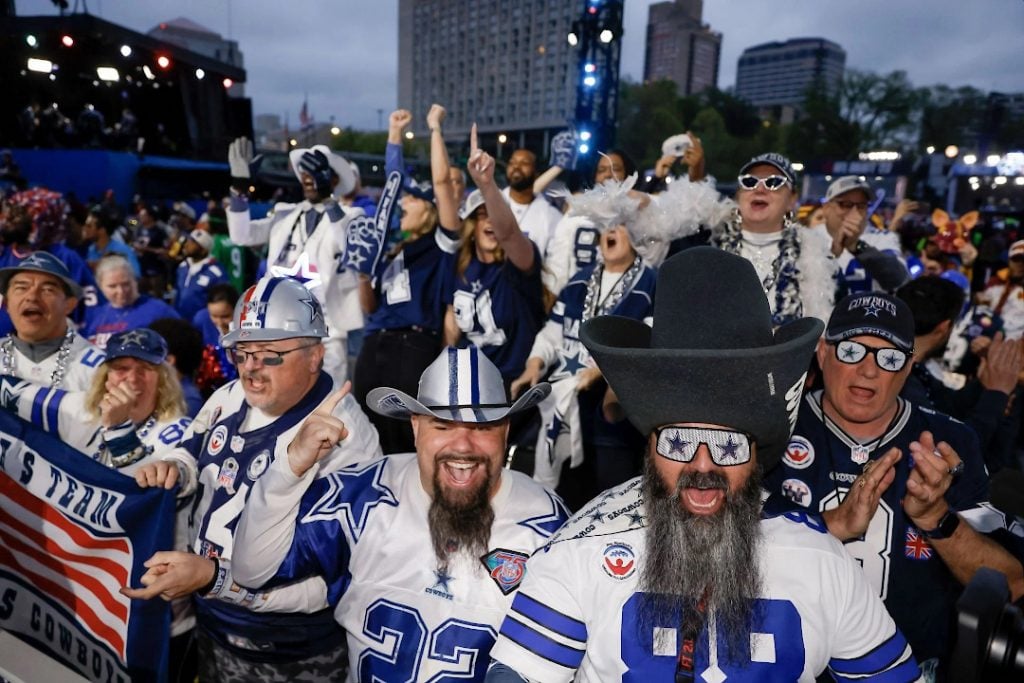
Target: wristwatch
(860, 246)
(945, 528)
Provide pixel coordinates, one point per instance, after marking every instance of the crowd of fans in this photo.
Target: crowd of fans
(515, 273)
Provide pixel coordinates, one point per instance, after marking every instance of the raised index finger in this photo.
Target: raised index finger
(332, 401)
(473, 146)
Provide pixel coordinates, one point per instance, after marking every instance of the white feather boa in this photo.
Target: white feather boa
(818, 273)
(678, 212)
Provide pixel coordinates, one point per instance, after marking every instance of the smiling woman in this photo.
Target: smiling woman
(795, 266)
(498, 298)
(125, 309)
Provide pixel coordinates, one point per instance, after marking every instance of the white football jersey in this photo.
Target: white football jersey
(82, 363)
(406, 618)
(314, 258)
(576, 616)
(64, 414)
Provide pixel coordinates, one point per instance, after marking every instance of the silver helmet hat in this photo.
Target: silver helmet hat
(275, 308)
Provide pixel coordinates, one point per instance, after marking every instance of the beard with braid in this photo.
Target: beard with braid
(460, 521)
(692, 558)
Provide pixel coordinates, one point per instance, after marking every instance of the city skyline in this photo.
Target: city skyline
(350, 70)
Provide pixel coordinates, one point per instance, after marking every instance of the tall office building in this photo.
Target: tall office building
(680, 47)
(777, 75)
(505, 65)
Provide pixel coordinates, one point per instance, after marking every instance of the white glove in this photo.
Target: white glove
(240, 155)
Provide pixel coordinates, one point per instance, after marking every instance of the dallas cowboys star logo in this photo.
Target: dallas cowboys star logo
(301, 271)
(598, 516)
(315, 312)
(676, 444)
(134, 337)
(890, 360)
(871, 310)
(354, 259)
(730, 448)
(35, 260)
(476, 286)
(546, 525)
(849, 353)
(636, 519)
(350, 497)
(571, 364)
(444, 580)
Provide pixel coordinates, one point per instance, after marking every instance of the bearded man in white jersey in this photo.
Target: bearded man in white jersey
(674, 575)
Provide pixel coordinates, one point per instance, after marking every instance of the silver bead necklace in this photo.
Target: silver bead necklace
(8, 364)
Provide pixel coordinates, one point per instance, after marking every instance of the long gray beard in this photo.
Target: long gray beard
(690, 558)
(460, 524)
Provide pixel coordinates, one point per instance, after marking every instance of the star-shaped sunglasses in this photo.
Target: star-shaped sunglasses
(888, 359)
(727, 446)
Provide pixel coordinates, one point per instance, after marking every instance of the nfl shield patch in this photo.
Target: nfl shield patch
(506, 567)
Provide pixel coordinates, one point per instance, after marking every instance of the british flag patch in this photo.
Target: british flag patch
(917, 546)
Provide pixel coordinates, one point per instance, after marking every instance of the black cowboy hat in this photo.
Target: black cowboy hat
(711, 356)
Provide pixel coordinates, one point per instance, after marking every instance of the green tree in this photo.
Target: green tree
(821, 132)
(952, 116)
(651, 112)
(648, 113)
(883, 109)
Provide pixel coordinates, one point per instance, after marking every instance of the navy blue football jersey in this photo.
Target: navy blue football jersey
(414, 284)
(822, 462)
(500, 309)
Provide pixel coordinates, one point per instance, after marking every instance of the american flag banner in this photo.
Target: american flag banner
(72, 533)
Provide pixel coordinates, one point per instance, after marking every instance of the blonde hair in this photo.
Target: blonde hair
(467, 247)
(170, 401)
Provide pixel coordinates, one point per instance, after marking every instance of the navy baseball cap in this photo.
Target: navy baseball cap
(41, 262)
(874, 314)
(422, 190)
(773, 159)
(142, 343)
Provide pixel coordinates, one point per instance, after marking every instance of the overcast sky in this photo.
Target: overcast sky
(344, 53)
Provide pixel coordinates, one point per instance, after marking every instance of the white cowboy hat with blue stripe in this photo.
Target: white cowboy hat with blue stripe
(461, 385)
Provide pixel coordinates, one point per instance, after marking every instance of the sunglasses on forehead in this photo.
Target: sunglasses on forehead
(727, 447)
(888, 359)
(772, 182)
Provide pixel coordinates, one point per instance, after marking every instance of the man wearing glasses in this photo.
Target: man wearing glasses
(868, 258)
(289, 633)
(794, 265)
(674, 575)
(902, 486)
